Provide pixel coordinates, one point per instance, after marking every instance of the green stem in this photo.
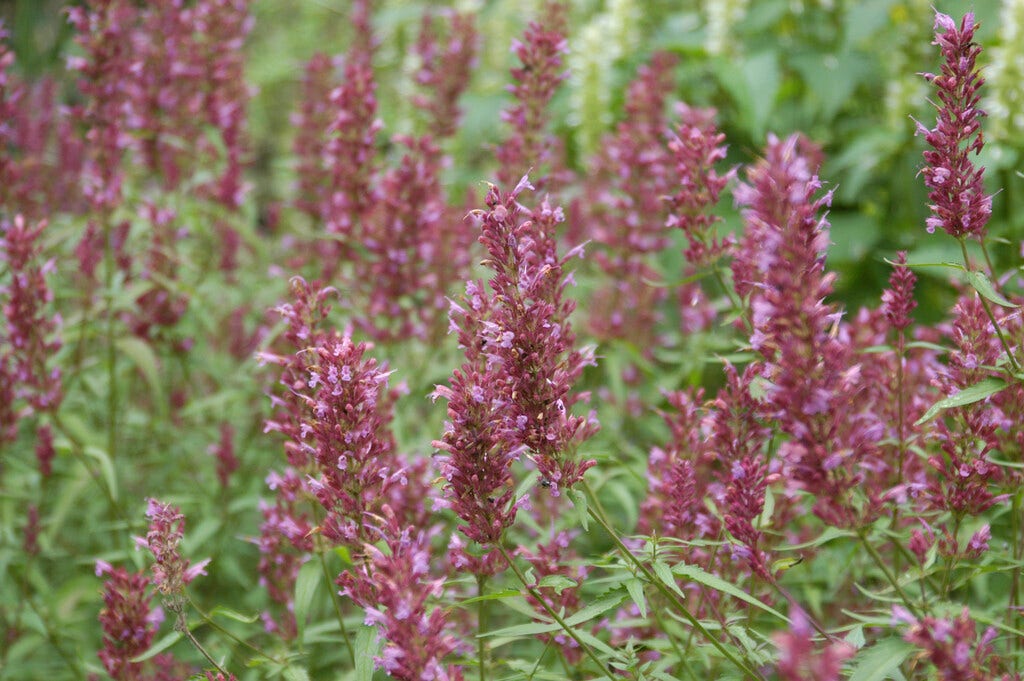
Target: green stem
(888, 575)
(554, 615)
(337, 605)
(675, 645)
(109, 265)
(183, 628)
(1013, 612)
(330, 588)
(747, 669)
(209, 621)
(481, 625)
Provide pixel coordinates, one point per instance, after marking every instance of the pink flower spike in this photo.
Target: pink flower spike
(959, 205)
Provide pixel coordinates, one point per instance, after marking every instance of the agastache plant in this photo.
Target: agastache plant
(541, 54)
(625, 211)
(529, 336)
(960, 205)
(812, 381)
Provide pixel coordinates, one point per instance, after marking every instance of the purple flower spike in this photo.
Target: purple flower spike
(959, 203)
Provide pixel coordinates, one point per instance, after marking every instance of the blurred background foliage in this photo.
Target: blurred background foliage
(843, 72)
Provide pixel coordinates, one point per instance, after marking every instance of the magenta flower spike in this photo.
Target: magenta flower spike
(541, 53)
(529, 337)
(171, 571)
(813, 382)
(394, 585)
(128, 620)
(959, 205)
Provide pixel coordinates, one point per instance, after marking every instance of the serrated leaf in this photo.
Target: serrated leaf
(494, 596)
(879, 661)
(306, 585)
(983, 285)
(159, 647)
(664, 573)
(558, 582)
(579, 502)
(970, 395)
(718, 584)
(366, 648)
(636, 591)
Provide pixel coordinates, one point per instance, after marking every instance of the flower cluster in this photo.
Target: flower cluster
(696, 149)
(224, 453)
(446, 60)
(813, 382)
(42, 159)
(541, 54)
(394, 587)
(128, 620)
(964, 476)
(171, 571)
(800, 661)
(393, 241)
(31, 336)
(624, 209)
(155, 81)
(529, 336)
(960, 205)
(954, 647)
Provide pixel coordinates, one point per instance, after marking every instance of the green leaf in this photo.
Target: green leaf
(144, 359)
(969, 395)
(366, 648)
(558, 582)
(786, 563)
(636, 591)
(579, 502)
(159, 647)
(718, 584)
(828, 535)
(664, 573)
(306, 586)
(106, 465)
(586, 614)
(982, 284)
(233, 615)
(497, 595)
(881, 660)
